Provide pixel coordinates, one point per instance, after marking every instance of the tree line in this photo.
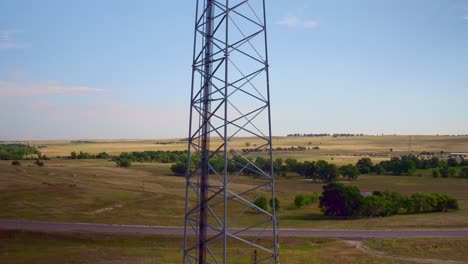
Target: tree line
(18, 152)
(326, 135)
(338, 200)
(407, 165)
(320, 171)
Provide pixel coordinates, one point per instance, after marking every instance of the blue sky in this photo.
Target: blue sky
(122, 69)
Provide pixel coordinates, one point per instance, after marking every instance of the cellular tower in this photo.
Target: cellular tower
(229, 166)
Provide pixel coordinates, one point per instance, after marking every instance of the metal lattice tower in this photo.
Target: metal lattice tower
(230, 100)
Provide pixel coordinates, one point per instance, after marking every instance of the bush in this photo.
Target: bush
(444, 170)
(261, 202)
(463, 173)
(277, 204)
(299, 200)
(179, 169)
(375, 205)
(123, 163)
(39, 163)
(102, 155)
(452, 203)
(302, 200)
(435, 173)
(16, 163)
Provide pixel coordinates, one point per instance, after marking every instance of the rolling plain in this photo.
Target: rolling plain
(96, 191)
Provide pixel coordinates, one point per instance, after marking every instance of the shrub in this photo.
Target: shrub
(435, 173)
(463, 173)
(299, 200)
(39, 163)
(452, 203)
(102, 155)
(375, 205)
(16, 163)
(261, 202)
(123, 163)
(444, 170)
(179, 168)
(452, 172)
(277, 204)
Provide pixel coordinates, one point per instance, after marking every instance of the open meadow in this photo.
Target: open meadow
(148, 193)
(96, 191)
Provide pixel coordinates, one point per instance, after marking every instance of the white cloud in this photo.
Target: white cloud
(7, 41)
(466, 17)
(311, 24)
(294, 21)
(21, 89)
(290, 21)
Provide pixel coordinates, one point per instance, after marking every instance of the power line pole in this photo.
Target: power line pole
(230, 102)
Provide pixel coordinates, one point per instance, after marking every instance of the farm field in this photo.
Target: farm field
(340, 150)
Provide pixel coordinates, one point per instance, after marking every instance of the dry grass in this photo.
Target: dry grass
(96, 191)
(428, 248)
(38, 247)
(342, 149)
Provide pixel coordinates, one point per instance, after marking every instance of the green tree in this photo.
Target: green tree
(444, 170)
(278, 165)
(261, 202)
(73, 155)
(364, 165)
(276, 205)
(451, 162)
(349, 171)
(291, 164)
(378, 169)
(325, 171)
(340, 200)
(375, 205)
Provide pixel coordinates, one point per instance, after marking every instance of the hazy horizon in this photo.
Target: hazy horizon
(183, 138)
(122, 69)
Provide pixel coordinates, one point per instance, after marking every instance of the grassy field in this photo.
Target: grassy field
(453, 249)
(37, 247)
(96, 191)
(341, 150)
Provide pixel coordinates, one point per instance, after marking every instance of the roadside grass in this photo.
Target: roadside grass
(58, 247)
(453, 249)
